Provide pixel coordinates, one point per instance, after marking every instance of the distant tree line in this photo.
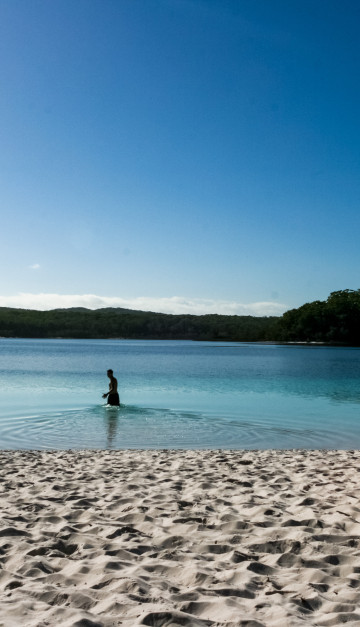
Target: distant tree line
(122, 323)
(336, 320)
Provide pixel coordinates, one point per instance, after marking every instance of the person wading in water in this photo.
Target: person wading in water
(112, 395)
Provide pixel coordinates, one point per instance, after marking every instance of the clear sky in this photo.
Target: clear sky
(179, 155)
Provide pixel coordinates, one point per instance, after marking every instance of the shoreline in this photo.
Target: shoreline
(180, 537)
(177, 339)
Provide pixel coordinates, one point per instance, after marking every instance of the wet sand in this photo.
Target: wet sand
(170, 538)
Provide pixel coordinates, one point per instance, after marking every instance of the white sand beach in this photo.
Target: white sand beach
(170, 538)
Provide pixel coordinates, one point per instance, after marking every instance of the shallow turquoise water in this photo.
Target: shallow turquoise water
(178, 395)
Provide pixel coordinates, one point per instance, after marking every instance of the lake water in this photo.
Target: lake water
(178, 394)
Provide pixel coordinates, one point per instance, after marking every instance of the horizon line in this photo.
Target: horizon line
(174, 305)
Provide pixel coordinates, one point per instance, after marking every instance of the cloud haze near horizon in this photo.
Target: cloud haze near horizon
(170, 305)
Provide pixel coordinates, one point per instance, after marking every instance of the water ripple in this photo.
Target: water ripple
(137, 427)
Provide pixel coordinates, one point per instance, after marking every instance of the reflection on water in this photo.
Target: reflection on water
(112, 418)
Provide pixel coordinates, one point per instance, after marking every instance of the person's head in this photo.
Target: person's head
(110, 373)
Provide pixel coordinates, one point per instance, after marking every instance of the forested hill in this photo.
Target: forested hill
(334, 321)
(125, 323)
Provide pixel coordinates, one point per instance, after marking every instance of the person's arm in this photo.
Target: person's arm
(112, 387)
(107, 393)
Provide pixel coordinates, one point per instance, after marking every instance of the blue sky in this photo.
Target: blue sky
(179, 155)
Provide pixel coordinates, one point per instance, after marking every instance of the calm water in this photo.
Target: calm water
(178, 395)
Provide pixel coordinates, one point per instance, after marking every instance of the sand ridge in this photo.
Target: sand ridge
(170, 538)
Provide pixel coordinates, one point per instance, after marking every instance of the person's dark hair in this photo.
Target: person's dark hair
(109, 370)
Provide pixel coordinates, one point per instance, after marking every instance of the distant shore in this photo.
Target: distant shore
(332, 322)
(154, 339)
(194, 538)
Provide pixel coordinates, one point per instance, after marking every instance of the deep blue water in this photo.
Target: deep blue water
(178, 395)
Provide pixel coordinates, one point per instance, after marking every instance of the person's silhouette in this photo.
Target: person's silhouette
(112, 395)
